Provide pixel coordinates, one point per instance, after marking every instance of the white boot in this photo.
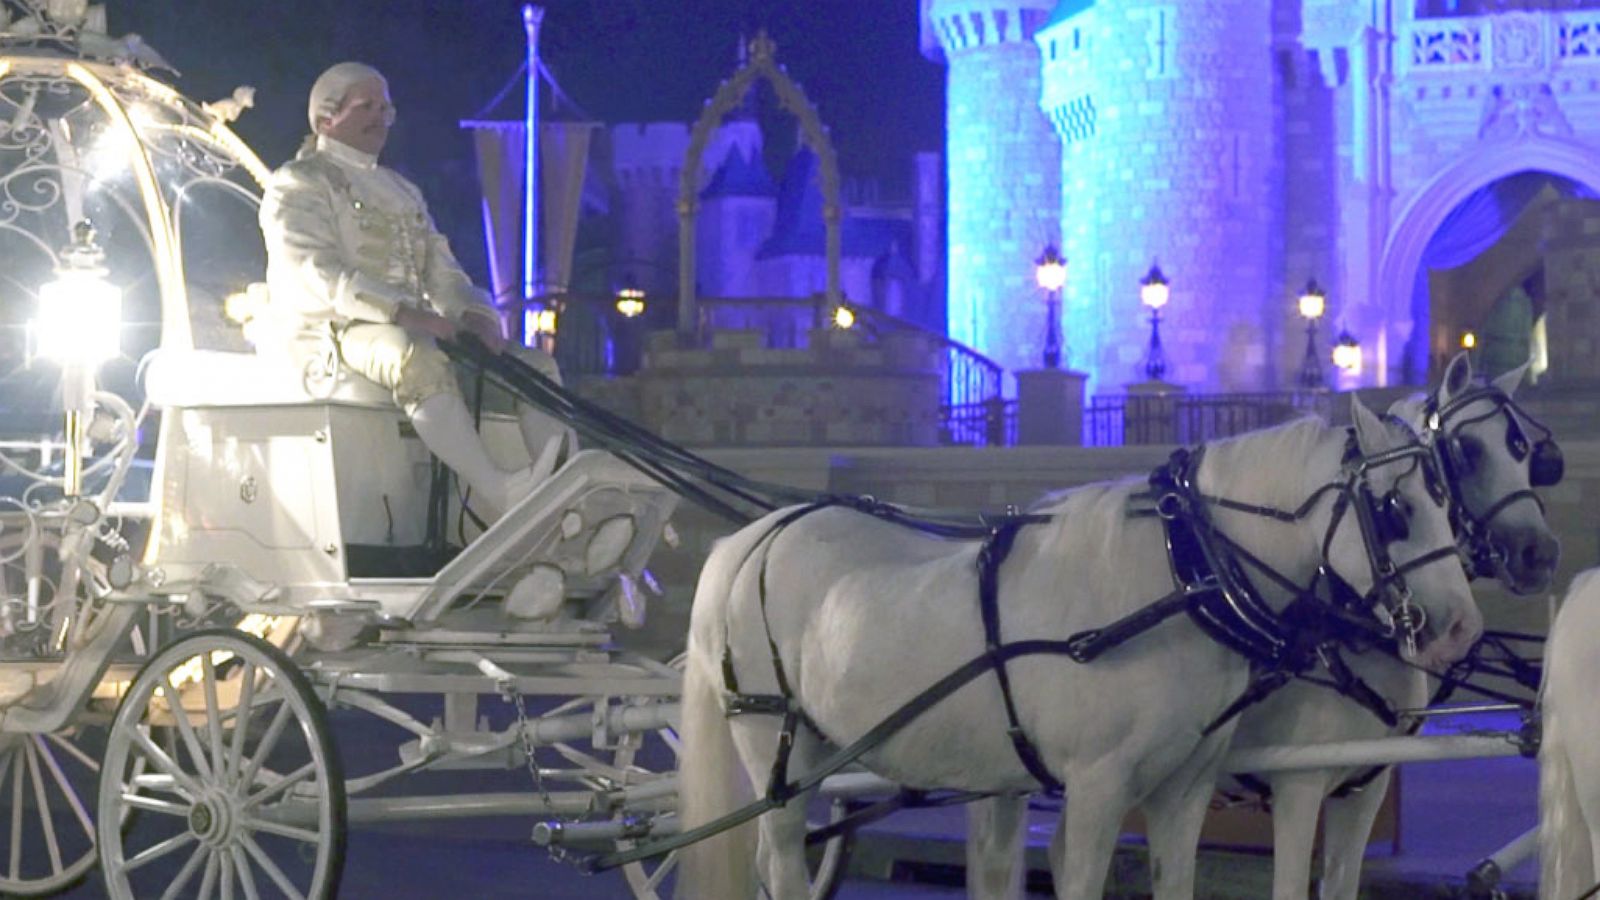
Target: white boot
(445, 426)
(544, 437)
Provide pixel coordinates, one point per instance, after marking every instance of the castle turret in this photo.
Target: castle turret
(1168, 123)
(1004, 169)
(646, 159)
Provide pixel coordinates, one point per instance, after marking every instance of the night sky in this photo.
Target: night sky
(618, 60)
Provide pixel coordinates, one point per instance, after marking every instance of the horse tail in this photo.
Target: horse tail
(1565, 860)
(1566, 850)
(711, 775)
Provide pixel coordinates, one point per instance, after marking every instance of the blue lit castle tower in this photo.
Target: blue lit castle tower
(1168, 119)
(1004, 172)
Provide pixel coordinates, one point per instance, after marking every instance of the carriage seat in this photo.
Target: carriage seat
(196, 378)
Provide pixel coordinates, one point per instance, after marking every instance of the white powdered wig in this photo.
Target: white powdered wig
(331, 87)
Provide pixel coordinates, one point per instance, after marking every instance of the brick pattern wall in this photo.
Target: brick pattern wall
(1179, 168)
(1003, 176)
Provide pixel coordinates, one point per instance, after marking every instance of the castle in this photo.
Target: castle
(1249, 145)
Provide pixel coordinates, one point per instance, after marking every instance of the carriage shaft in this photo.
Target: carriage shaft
(1380, 751)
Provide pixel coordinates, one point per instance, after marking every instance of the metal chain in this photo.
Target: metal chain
(509, 691)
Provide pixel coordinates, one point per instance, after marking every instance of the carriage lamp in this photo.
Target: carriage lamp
(1313, 302)
(844, 318)
(1050, 273)
(630, 300)
(1347, 354)
(79, 324)
(1153, 293)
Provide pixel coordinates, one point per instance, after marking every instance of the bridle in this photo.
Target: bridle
(1442, 431)
(1383, 521)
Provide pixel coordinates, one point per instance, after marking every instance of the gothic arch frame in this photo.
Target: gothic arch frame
(1427, 208)
(761, 63)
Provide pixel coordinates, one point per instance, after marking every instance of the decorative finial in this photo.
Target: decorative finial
(762, 49)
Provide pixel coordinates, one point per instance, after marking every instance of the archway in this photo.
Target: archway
(1430, 207)
(762, 64)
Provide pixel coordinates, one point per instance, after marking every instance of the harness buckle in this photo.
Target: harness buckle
(1169, 506)
(755, 705)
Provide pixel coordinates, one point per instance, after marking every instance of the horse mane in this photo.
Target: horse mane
(1409, 407)
(1244, 467)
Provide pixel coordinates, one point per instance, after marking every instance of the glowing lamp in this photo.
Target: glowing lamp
(1154, 288)
(539, 321)
(843, 317)
(1347, 353)
(630, 301)
(1313, 300)
(1050, 269)
(1313, 303)
(80, 313)
(1468, 340)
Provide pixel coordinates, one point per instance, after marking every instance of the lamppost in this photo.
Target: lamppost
(1347, 354)
(1153, 293)
(79, 324)
(1050, 271)
(1313, 302)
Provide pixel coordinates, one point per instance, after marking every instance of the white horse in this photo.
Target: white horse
(1491, 485)
(863, 614)
(1569, 751)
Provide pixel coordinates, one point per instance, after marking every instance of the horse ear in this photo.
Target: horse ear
(1510, 381)
(1369, 428)
(1457, 377)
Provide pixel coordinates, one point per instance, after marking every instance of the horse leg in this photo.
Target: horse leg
(995, 845)
(1346, 826)
(781, 843)
(1086, 836)
(1174, 814)
(1296, 801)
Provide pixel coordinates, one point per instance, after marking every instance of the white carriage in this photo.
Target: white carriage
(205, 548)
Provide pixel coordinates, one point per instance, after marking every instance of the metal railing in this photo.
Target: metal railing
(1180, 418)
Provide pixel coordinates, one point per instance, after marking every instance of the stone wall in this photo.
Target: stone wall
(1003, 175)
(1171, 155)
(841, 390)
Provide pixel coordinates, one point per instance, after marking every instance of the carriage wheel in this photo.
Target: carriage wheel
(47, 836)
(237, 784)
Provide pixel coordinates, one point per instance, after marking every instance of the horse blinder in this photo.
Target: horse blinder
(1547, 465)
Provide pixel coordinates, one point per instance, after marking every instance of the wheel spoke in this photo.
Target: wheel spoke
(208, 880)
(151, 804)
(304, 835)
(88, 761)
(662, 871)
(46, 819)
(200, 855)
(16, 819)
(151, 854)
(269, 742)
(214, 726)
(227, 875)
(67, 790)
(185, 728)
(271, 868)
(241, 717)
(165, 763)
(281, 785)
(247, 878)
